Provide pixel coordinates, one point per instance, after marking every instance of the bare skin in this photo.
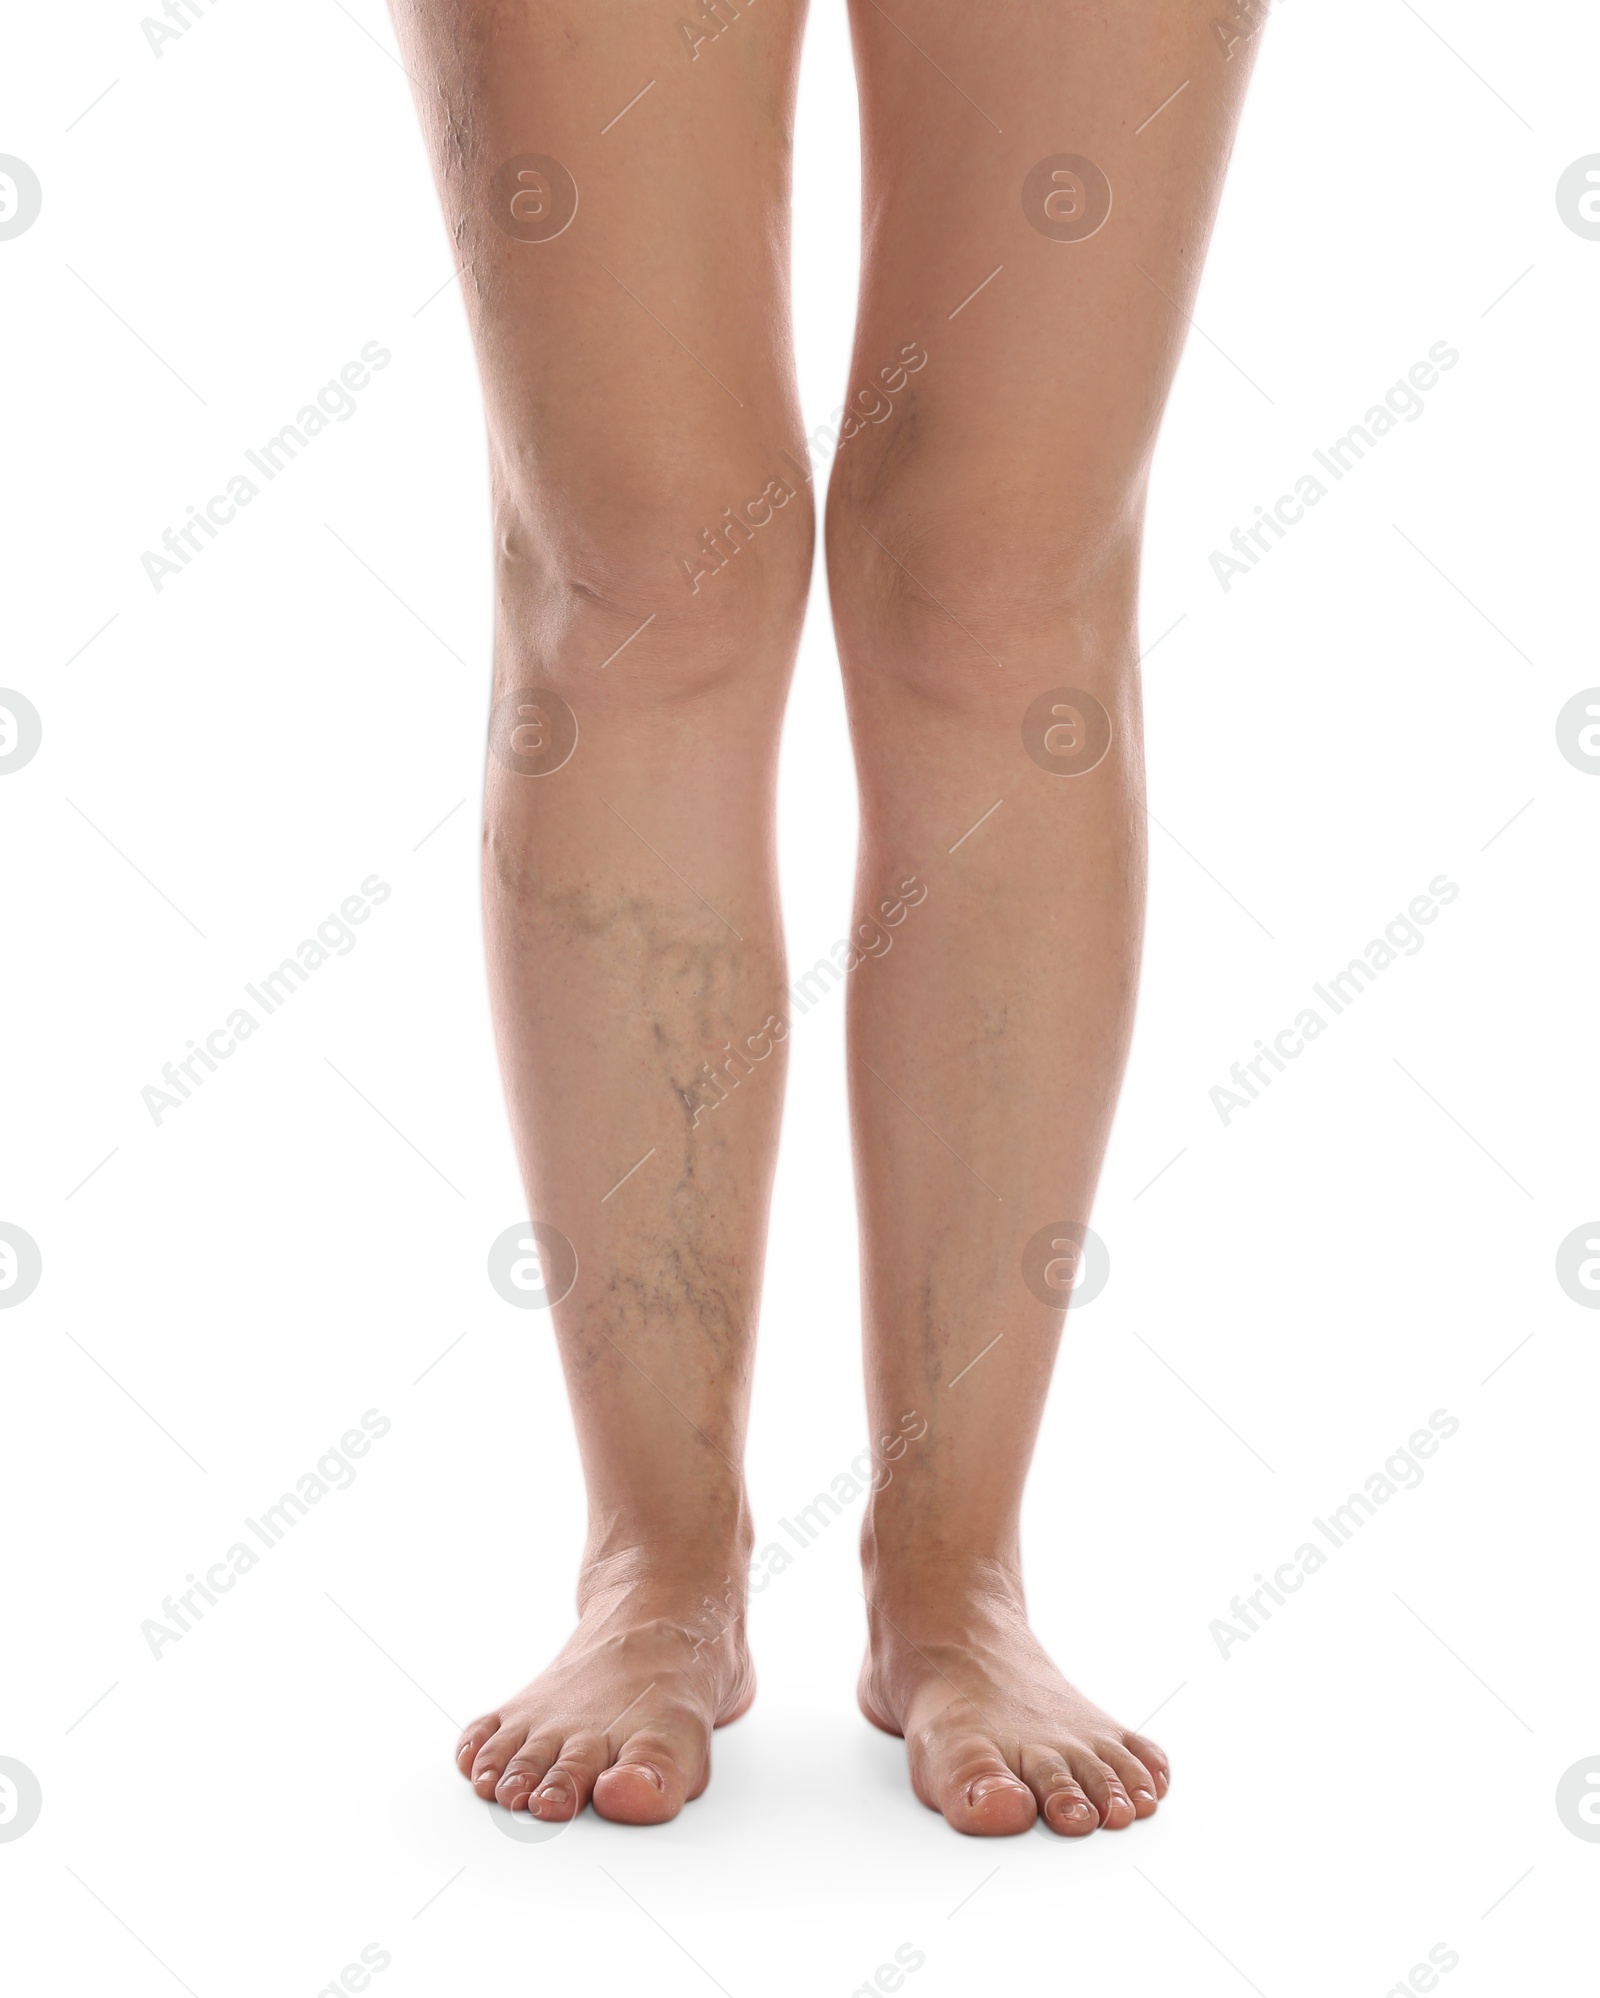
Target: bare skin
(624, 1715)
(983, 546)
(640, 401)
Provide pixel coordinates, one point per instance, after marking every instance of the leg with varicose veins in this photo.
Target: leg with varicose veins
(627, 289)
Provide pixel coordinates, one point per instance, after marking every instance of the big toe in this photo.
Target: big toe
(981, 1795)
(646, 1784)
(637, 1793)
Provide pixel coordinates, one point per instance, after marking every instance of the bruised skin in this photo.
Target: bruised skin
(995, 1736)
(624, 1715)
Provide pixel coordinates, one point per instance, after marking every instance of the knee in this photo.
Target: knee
(658, 576)
(939, 587)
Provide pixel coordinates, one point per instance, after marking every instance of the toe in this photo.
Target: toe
(642, 1788)
(1062, 1803)
(473, 1739)
(656, 1771)
(980, 1793)
(1103, 1787)
(490, 1761)
(637, 1793)
(1137, 1780)
(526, 1769)
(569, 1781)
(1153, 1758)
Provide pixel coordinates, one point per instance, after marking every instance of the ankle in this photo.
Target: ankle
(908, 1563)
(697, 1603)
(667, 1569)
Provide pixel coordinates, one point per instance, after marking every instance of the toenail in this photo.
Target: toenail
(988, 1786)
(645, 1769)
(1144, 1796)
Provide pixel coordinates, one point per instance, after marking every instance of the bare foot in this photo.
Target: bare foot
(624, 1714)
(995, 1736)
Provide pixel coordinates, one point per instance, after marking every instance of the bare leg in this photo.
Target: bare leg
(652, 554)
(983, 542)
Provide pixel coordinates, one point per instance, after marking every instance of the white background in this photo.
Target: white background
(1364, 1778)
